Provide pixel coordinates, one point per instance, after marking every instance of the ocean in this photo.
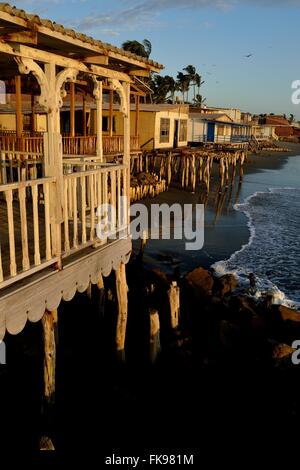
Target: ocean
(251, 226)
(272, 251)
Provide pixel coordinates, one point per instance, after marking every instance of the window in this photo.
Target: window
(183, 130)
(221, 130)
(105, 124)
(164, 130)
(2, 92)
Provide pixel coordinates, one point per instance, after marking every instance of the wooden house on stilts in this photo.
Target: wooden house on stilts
(51, 185)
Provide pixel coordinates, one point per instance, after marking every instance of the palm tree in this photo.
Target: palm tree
(199, 101)
(191, 72)
(183, 83)
(148, 47)
(142, 49)
(171, 87)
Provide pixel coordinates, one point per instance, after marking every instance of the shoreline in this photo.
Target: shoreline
(226, 232)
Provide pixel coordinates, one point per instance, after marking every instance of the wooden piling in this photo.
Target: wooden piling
(154, 335)
(49, 328)
(122, 289)
(174, 302)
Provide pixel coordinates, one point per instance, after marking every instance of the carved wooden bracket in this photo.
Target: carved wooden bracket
(118, 87)
(52, 94)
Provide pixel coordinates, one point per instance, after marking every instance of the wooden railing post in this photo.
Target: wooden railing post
(98, 97)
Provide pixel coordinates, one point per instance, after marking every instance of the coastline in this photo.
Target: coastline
(227, 230)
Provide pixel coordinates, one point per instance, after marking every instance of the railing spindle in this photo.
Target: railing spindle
(11, 232)
(37, 255)
(47, 221)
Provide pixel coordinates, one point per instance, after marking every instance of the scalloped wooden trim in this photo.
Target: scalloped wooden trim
(30, 301)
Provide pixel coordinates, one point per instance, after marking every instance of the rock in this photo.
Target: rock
(225, 285)
(230, 335)
(201, 280)
(281, 350)
(287, 313)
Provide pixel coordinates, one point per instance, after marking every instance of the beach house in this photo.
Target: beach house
(52, 182)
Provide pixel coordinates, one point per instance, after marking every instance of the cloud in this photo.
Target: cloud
(134, 14)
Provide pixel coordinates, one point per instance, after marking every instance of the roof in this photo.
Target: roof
(210, 116)
(45, 27)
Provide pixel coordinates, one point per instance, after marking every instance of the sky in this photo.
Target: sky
(214, 36)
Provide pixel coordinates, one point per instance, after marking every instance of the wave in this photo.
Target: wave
(273, 250)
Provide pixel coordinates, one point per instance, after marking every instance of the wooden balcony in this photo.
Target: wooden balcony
(30, 240)
(79, 145)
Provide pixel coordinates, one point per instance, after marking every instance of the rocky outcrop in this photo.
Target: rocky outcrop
(201, 281)
(224, 285)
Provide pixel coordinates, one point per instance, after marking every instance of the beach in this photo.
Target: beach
(226, 229)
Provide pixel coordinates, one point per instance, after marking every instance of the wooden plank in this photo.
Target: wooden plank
(48, 57)
(24, 233)
(92, 206)
(47, 221)
(96, 59)
(24, 37)
(19, 115)
(11, 232)
(37, 255)
(75, 216)
(83, 209)
(26, 184)
(66, 218)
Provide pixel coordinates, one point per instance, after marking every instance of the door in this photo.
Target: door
(175, 144)
(210, 132)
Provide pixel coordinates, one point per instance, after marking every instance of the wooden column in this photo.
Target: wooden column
(98, 89)
(32, 117)
(137, 114)
(121, 288)
(111, 107)
(84, 115)
(19, 115)
(126, 158)
(72, 109)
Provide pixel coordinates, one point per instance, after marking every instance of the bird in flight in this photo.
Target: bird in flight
(248, 55)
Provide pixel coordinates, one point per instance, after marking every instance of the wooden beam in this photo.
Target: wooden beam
(72, 109)
(97, 60)
(19, 115)
(139, 73)
(24, 37)
(76, 42)
(18, 50)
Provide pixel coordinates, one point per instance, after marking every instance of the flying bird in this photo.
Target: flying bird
(249, 55)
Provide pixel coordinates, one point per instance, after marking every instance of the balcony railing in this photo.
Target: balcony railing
(29, 236)
(78, 145)
(26, 244)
